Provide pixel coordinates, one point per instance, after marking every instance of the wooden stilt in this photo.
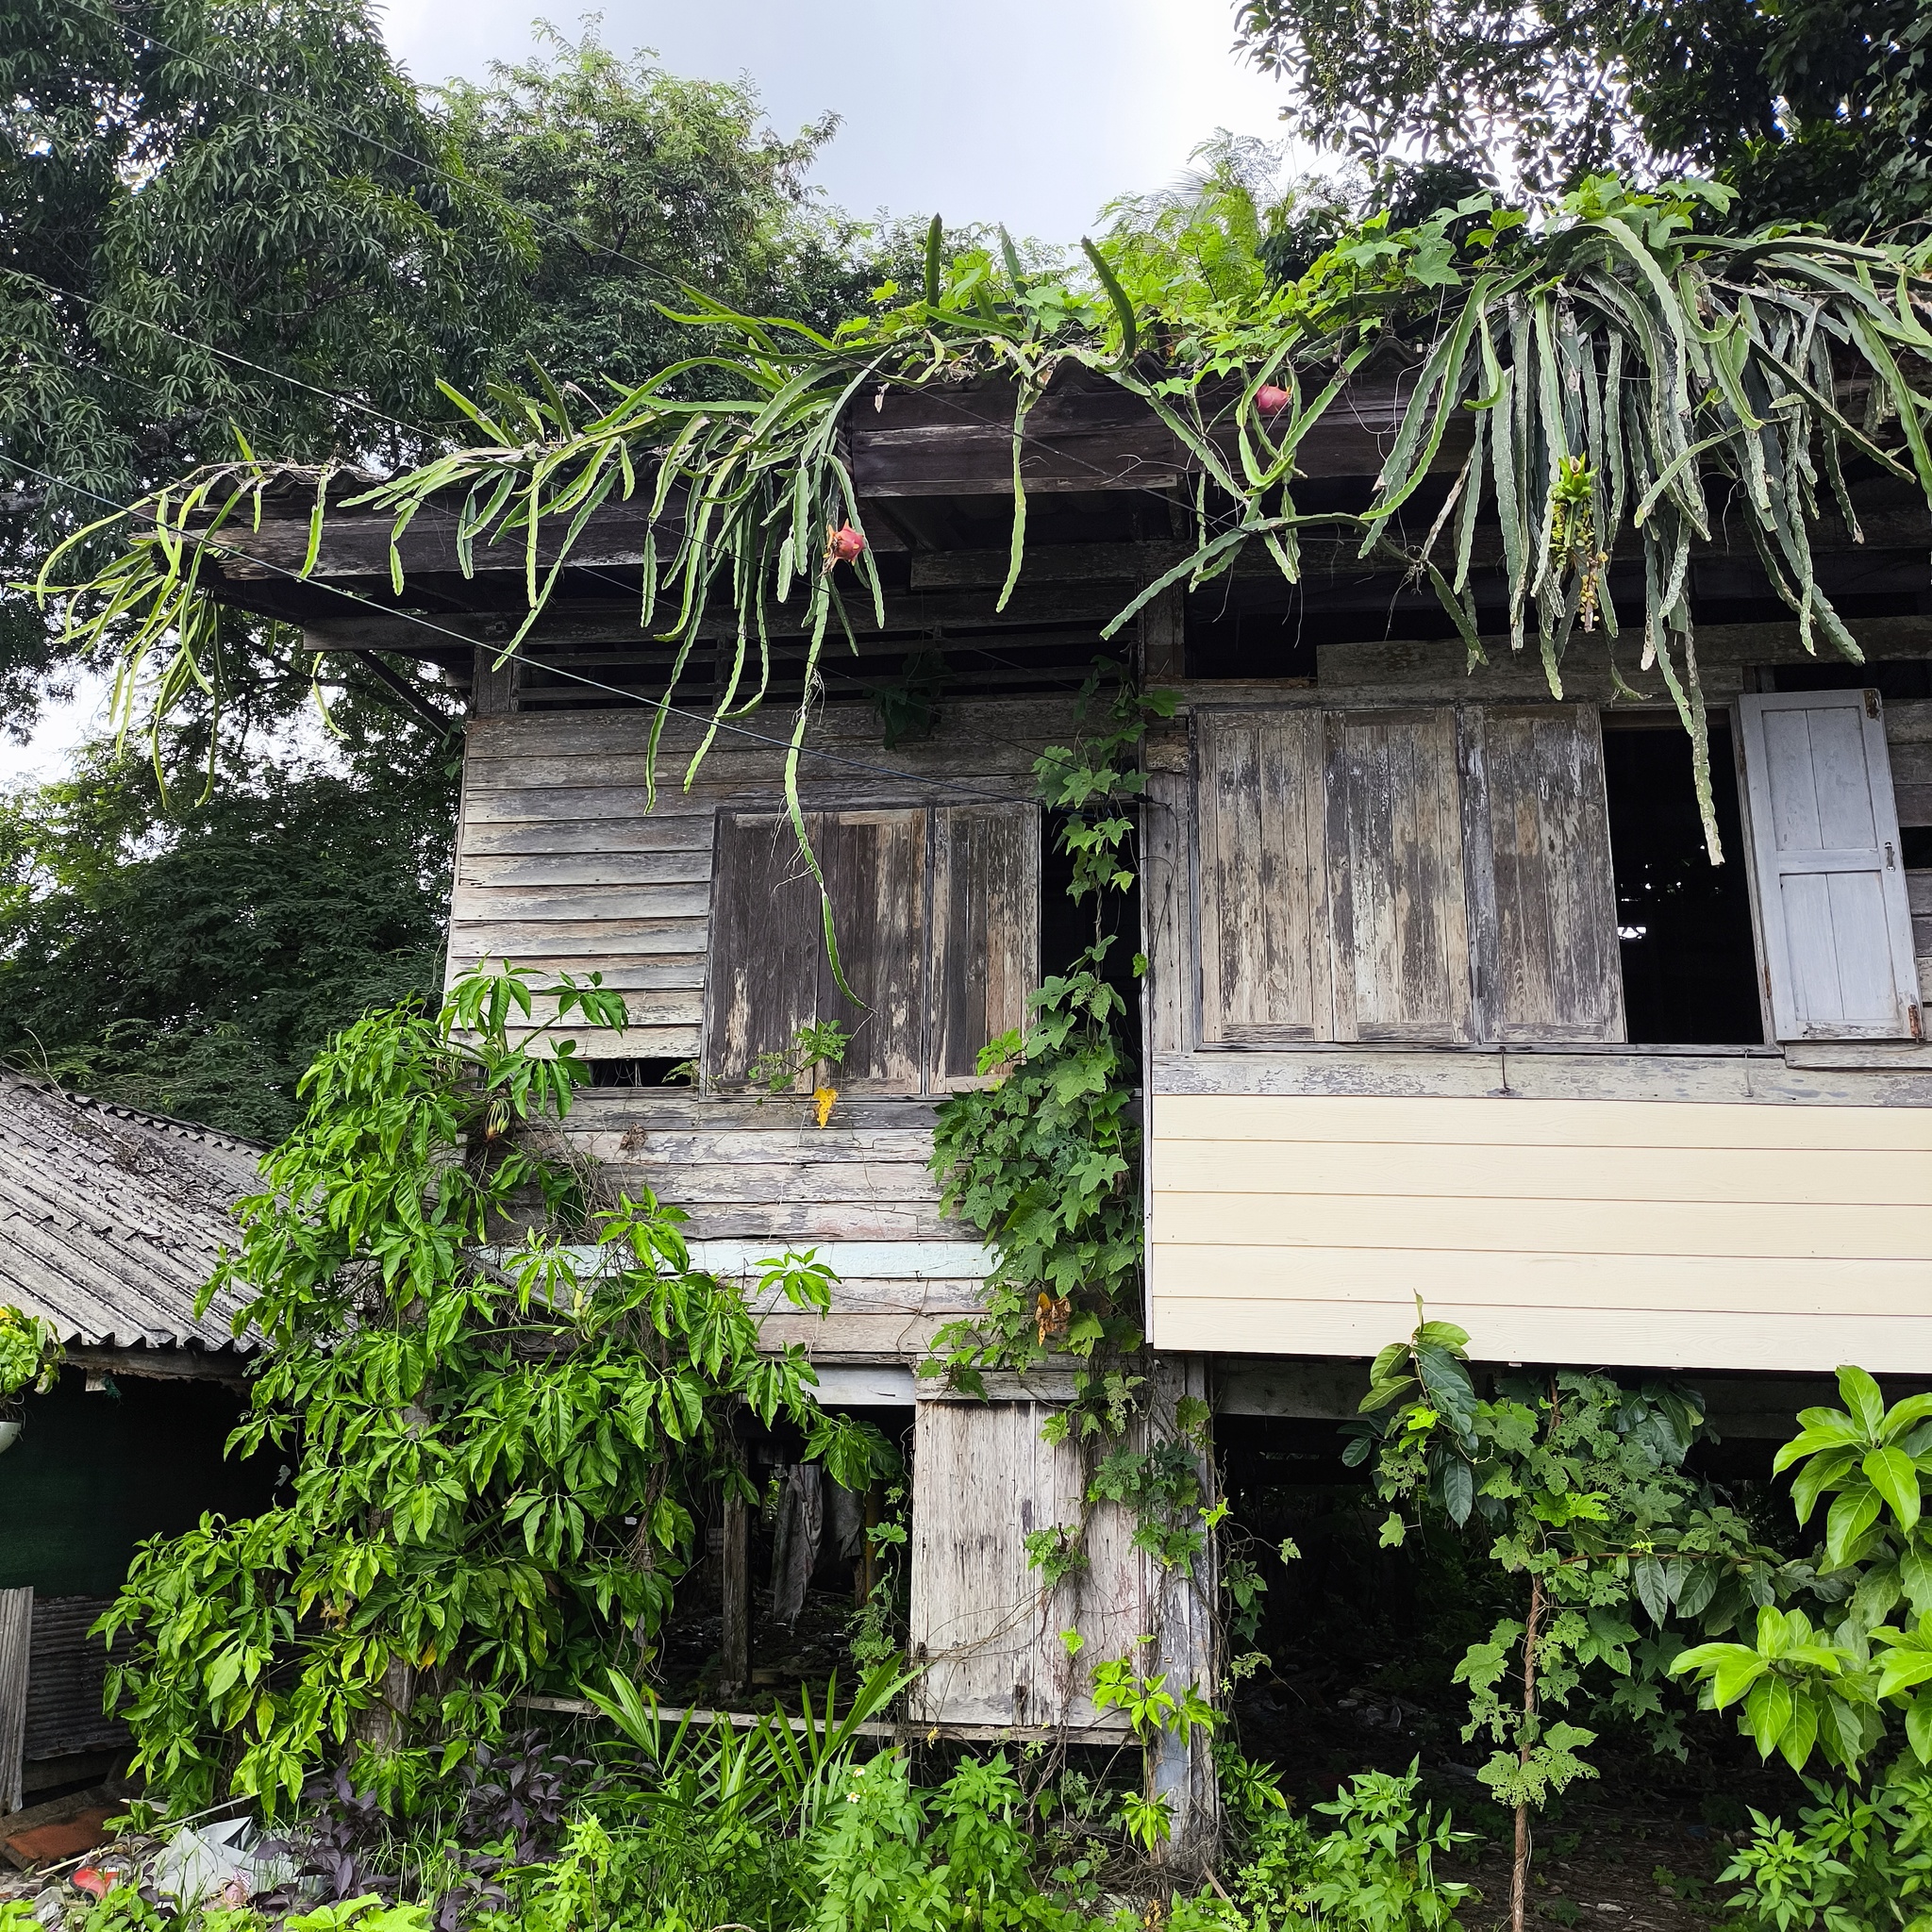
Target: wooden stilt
(734, 1649)
(16, 1640)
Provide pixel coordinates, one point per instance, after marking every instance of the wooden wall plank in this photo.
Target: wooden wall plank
(763, 982)
(1166, 909)
(16, 1647)
(596, 866)
(980, 1621)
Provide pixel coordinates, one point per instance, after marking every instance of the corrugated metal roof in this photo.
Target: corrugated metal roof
(110, 1219)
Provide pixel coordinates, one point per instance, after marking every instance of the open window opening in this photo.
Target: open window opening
(1684, 925)
(1066, 928)
(655, 1071)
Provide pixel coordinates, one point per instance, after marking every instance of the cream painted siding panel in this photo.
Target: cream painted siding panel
(1694, 1235)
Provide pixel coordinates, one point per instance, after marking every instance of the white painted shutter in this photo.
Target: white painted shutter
(1831, 889)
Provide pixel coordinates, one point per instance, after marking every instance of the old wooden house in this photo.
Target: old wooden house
(1444, 997)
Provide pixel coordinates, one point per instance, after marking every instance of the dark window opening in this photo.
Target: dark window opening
(1915, 847)
(1690, 966)
(1066, 929)
(1224, 640)
(1898, 680)
(655, 1072)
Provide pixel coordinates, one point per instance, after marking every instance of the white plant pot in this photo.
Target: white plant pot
(10, 1433)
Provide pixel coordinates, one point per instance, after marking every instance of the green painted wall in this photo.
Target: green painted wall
(93, 1475)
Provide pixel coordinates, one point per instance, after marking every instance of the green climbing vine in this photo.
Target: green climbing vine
(1044, 1162)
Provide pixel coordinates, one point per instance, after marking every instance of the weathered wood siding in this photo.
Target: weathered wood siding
(1402, 874)
(988, 1632)
(1689, 1235)
(698, 908)
(1562, 1195)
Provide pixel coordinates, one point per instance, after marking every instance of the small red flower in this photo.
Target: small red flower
(842, 546)
(1272, 400)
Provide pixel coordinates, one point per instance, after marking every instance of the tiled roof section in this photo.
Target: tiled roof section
(110, 1219)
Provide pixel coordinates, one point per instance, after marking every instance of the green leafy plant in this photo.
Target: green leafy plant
(889, 1855)
(496, 1393)
(1376, 1870)
(1857, 1862)
(1146, 1702)
(817, 1043)
(1580, 1485)
(1041, 1158)
(1828, 1689)
(30, 1354)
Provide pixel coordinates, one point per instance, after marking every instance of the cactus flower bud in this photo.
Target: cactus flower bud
(1271, 400)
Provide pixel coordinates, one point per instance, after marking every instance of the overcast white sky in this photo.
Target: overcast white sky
(1032, 113)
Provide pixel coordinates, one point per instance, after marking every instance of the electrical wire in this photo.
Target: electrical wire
(586, 570)
(304, 106)
(469, 644)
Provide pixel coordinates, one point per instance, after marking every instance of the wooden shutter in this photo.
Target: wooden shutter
(1543, 899)
(1263, 893)
(768, 969)
(985, 958)
(1831, 890)
(1395, 876)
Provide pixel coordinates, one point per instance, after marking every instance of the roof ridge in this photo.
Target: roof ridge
(121, 1110)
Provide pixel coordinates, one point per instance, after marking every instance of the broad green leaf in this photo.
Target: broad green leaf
(1891, 1472)
(1767, 1712)
(1863, 1400)
(1851, 1515)
(1800, 1732)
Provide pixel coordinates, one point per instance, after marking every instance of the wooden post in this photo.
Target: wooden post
(1163, 637)
(734, 1567)
(16, 1650)
(1184, 1649)
(492, 686)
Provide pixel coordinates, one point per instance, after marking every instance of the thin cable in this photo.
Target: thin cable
(476, 183)
(336, 396)
(469, 644)
(969, 643)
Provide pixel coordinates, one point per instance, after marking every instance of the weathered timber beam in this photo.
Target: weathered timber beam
(1890, 530)
(960, 442)
(1403, 663)
(749, 1719)
(616, 620)
(160, 1364)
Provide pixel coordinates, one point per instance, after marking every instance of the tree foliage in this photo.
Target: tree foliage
(499, 1393)
(1581, 1487)
(638, 185)
(193, 961)
(1831, 1688)
(221, 216)
(1814, 112)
